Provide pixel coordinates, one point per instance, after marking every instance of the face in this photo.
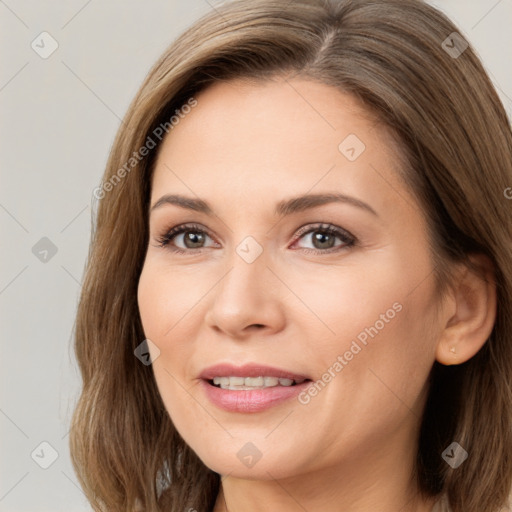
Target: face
(337, 289)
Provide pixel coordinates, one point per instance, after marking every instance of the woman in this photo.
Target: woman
(299, 287)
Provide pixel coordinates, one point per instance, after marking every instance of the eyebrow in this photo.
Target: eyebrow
(283, 208)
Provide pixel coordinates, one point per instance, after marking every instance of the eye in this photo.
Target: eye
(191, 235)
(323, 238)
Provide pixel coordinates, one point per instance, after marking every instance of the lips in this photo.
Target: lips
(251, 400)
(249, 370)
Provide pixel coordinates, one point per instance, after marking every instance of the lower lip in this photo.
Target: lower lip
(251, 400)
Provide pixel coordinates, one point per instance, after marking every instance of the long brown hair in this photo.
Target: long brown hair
(439, 103)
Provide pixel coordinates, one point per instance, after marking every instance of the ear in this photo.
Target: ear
(473, 316)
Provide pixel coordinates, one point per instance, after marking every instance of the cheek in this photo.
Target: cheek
(381, 345)
(147, 300)
(160, 309)
(365, 302)
(166, 297)
(163, 313)
(168, 306)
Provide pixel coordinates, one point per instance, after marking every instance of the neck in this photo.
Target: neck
(238, 495)
(364, 482)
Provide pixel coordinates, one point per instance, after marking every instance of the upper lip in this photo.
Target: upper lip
(248, 370)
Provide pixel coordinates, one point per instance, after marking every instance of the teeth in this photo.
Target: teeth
(253, 381)
(235, 383)
(271, 381)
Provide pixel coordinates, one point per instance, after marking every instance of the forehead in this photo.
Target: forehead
(276, 113)
(277, 137)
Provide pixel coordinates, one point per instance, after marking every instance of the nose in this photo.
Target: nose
(248, 298)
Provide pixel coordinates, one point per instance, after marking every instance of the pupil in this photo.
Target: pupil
(193, 237)
(320, 237)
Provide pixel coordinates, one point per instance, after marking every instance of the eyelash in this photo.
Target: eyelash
(347, 239)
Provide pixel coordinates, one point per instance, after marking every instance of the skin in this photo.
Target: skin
(244, 148)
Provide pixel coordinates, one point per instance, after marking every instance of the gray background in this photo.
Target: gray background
(59, 116)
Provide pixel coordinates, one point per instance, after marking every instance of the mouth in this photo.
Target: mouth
(252, 387)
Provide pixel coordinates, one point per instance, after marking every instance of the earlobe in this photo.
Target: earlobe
(468, 329)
